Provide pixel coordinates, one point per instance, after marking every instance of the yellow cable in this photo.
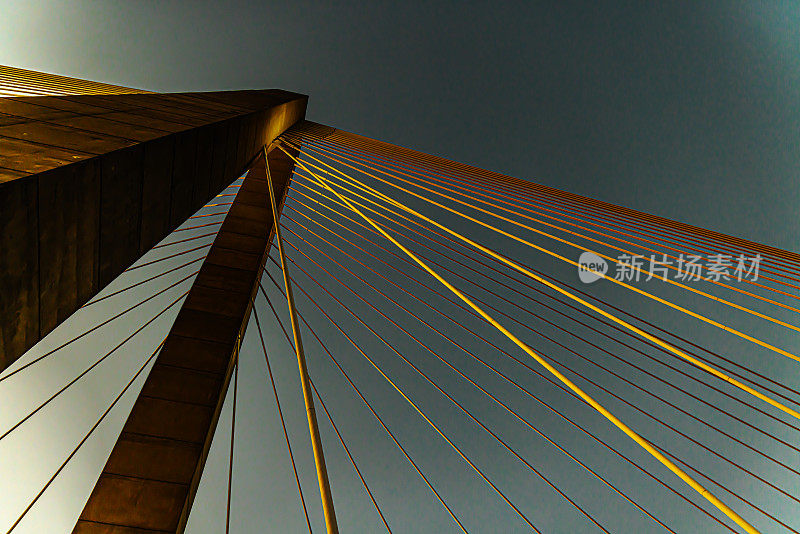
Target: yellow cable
(578, 391)
(375, 166)
(635, 329)
(566, 242)
(703, 318)
(328, 509)
(631, 327)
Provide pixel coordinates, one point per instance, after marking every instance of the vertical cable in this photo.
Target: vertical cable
(316, 442)
(278, 404)
(330, 418)
(233, 434)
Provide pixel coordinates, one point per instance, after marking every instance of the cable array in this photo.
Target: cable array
(486, 351)
(99, 346)
(434, 269)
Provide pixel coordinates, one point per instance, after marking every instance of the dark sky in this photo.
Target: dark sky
(689, 110)
(686, 110)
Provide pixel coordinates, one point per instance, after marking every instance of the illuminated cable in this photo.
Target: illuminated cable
(608, 315)
(374, 413)
(608, 415)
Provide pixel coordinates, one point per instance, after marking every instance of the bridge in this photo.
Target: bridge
(463, 350)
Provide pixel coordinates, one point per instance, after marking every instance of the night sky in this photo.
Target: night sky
(686, 110)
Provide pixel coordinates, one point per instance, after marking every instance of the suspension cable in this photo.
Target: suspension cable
(613, 419)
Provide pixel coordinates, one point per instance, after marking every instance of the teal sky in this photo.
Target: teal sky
(686, 110)
(617, 100)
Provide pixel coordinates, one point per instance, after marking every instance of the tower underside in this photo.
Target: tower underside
(88, 183)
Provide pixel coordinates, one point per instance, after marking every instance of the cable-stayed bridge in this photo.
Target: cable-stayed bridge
(474, 352)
